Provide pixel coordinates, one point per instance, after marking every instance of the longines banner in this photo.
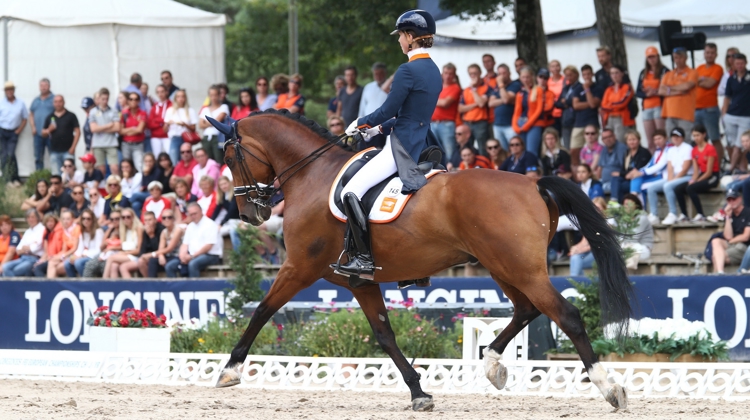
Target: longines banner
(53, 314)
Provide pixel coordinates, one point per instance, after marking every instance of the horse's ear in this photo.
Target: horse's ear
(224, 129)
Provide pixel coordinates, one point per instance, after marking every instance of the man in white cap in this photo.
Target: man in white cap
(13, 118)
(155, 203)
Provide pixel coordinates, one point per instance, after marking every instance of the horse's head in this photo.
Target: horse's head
(252, 173)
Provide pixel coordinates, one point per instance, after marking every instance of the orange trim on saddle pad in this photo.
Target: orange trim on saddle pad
(418, 56)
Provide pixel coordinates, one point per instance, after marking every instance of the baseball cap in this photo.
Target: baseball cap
(154, 184)
(543, 72)
(678, 131)
(87, 102)
(732, 193)
(651, 51)
(88, 158)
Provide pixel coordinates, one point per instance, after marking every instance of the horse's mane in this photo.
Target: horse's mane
(308, 123)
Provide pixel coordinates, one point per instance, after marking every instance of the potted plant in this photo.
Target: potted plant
(130, 330)
(663, 340)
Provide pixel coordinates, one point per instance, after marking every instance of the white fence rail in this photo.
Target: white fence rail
(682, 380)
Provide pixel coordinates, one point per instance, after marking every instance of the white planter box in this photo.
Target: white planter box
(130, 340)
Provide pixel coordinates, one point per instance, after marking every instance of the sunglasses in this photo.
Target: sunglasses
(167, 217)
(134, 99)
(515, 145)
(115, 219)
(261, 84)
(77, 192)
(492, 147)
(127, 217)
(67, 166)
(113, 185)
(93, 195)
(337, 125)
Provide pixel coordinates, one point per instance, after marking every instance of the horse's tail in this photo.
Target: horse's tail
(615, 289)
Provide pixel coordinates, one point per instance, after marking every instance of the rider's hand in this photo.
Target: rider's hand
(371, 132)
(352, 129)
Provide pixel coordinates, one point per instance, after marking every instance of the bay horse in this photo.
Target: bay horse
(503, 220)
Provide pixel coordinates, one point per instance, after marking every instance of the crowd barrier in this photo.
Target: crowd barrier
(52, 315)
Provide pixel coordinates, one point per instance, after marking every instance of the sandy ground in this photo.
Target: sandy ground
(25, 399)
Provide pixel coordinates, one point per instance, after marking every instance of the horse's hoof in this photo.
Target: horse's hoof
(422, 404)
(227, 378)
(495, 371)
(617, 397)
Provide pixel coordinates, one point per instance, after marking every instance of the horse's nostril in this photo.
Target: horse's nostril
(244, 218)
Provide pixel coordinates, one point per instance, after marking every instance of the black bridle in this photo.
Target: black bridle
(264, 192)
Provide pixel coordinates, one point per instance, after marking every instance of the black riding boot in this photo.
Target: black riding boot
(360, 263)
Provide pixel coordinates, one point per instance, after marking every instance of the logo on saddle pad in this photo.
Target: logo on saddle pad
(384, 200)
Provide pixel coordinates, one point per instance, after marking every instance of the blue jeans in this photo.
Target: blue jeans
(235, 238)
(745, 264)
(709, 118)
(579, 262)
(668, 188)
(636, 184)
(136, 201)
(22, 267)
(174, 149)
(56, 160)
(40, 143)
(193, 269)
(503, 134)
(76, 267)
(533, 140)
(445, 131)
(742, 185)
(8, 164)
(481, 132)
(618, 187)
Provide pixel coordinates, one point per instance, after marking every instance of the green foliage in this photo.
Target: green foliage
(335, 334)
(247, 280)
(589, 306)
(220, 336)
(36, 176)
(626, 218)
(485, 10)
(695, 345)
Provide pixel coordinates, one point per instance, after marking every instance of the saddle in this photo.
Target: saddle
(385, 200)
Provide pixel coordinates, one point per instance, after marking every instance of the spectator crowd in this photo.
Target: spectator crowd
(152, 192)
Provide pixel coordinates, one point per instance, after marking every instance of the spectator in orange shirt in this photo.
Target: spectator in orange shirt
(678, 89)
(648, 90)
(545, 120)
(473, 107)
(470, 159)
(443, 123)
(615, 108)
(292, 100)
(555, 84)
(529, 105)
(707, 112)
(488, 61)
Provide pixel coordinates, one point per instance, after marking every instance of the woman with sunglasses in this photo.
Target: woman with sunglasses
(181, 119)
(519, 158)
(497, 154)
(245, 105)
(79, 201)
(131, 236)
(648, 91)
(336, 125)
(70, 176)
(263, 98)
(170, 239)
(89, 244)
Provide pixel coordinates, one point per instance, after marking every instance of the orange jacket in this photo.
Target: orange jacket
(546, 119)
(616, 104)
(535, 106)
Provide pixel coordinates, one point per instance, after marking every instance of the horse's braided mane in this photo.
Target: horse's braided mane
(308, 123)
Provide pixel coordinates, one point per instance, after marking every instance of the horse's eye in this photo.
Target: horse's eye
(228, 161)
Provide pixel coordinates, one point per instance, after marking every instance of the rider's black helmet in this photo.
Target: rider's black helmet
(418, 21)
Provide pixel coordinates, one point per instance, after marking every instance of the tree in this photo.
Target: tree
(609, 26)
(531, 41)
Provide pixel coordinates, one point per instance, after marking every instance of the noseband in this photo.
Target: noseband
(264, 192)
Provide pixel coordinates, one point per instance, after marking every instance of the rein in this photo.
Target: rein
(264, 192)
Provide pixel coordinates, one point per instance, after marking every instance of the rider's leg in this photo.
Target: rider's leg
(382, 166)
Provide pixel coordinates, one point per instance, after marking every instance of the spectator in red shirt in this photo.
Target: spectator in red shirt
(473, 107)
(159, 138)
(155, 203)
(443, 123)
(293, 101)
(470, 159)
(208, 200)
(133, 124)
(705, 173)
(246, 104)
(183, 169)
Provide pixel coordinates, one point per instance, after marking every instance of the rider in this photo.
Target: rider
(414, 95)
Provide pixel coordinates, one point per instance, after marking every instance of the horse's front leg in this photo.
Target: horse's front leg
(288, 283)
(371, 301)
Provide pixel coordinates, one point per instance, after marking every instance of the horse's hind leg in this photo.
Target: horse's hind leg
(550, 302)
(371, 301)
(287, 284)
(524, 312)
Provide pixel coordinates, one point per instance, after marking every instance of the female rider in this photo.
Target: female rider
(414, 94)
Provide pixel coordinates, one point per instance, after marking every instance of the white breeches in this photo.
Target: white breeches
(374, 172)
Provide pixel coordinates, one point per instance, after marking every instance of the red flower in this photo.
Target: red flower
(96, 322)
(102, 309)
(109, 323)
(124, 321)
(145, 324)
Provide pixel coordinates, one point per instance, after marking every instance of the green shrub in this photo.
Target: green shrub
(220, 336)
(247, 280)
(36, 176)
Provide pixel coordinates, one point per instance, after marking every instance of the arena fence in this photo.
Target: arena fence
(544, 378)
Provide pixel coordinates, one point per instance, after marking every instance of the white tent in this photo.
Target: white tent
(83, 45)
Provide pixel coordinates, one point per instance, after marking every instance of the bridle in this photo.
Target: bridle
(264, 192)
